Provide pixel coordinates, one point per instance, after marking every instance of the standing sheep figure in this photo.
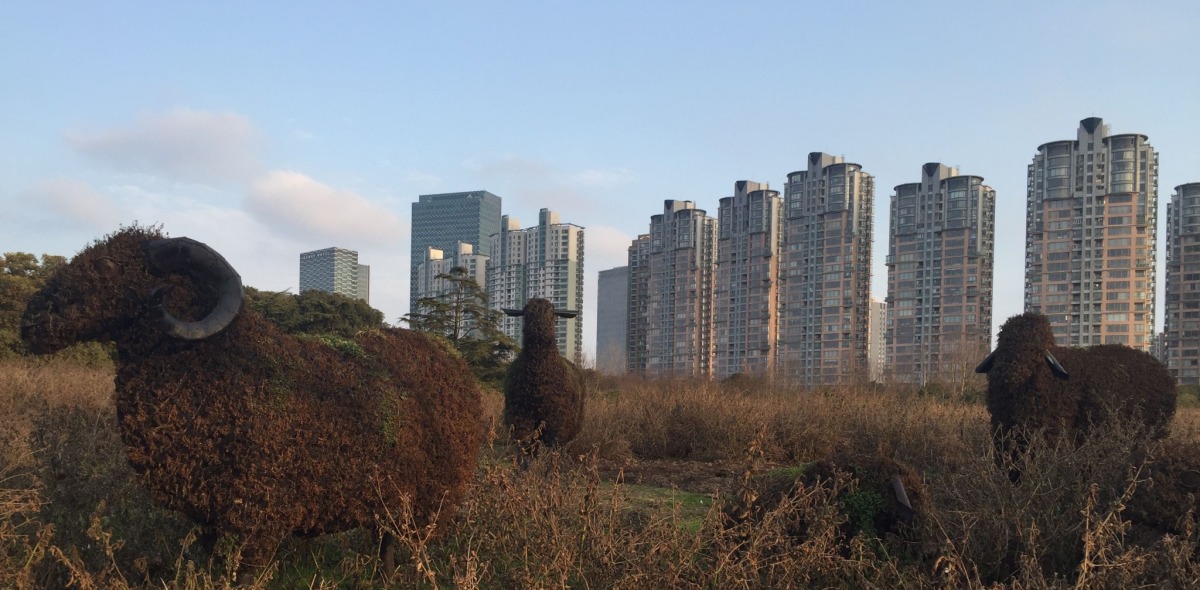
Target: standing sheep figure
(1033, 384)
(251, 431)
(543, 392)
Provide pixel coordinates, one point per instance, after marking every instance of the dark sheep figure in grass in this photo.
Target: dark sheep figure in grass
(877, 496)
(1034, 385)
(248, 430)
(543, 392)
(1160, 504)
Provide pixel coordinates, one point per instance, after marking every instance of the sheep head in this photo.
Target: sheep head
(538, 324)
(128, 277)
(1024, 338)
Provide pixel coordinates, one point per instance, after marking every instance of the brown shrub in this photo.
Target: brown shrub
(254, 432)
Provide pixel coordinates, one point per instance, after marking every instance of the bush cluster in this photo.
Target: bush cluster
(1072, 521)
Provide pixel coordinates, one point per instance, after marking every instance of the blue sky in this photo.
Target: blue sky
(271, 128)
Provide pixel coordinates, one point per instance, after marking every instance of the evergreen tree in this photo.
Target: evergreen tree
(461, 315)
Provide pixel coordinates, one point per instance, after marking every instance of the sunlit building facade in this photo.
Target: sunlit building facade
(671, 291)
(825, 274)
(544, 261)
(1180, 340)
(746, 292)
(1090, 246)
(941, 253)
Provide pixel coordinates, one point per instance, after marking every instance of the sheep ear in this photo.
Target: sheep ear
(905, 508)
(987, 363)
(566, 313)
(516, 313)
(1056, 368)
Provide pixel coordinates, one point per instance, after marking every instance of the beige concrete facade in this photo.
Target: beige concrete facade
(435, 262)
(745, 302)
(1090, 250)
(671, 292)
(543, 261)
(941, 254)
(825, 272)
(877, 340)
(1181, 335)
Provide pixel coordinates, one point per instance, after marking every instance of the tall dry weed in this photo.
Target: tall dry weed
(71, 513)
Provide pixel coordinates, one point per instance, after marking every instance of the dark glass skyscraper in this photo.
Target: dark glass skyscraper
(441, 221)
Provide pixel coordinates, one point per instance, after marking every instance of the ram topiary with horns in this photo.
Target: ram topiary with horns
(543, 392)
(248, 430)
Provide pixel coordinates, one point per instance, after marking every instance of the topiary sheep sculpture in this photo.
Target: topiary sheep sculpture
(543, 392)
(878, 496)
(1035, 385)
(251, 431)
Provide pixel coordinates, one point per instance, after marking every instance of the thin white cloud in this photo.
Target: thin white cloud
(182, 144)
(602, 178)
(76, 203)
(607, 247)
(298, 205)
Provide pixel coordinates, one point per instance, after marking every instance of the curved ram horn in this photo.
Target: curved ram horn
(567, 313)
(1190, 479)
(1056, 368)
(187, 256)
(987, 363)
(516, 313)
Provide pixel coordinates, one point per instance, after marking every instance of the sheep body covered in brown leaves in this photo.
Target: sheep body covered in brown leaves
(249, 430)
(1035, 385)
(543, 392)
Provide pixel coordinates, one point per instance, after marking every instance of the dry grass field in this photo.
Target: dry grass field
(648, 496)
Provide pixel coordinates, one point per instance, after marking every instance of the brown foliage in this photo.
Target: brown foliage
(1104, 382)
(543, 392)
(258, 433)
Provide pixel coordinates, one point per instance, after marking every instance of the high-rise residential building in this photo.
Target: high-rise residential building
(441, 221)
(877, 340)
(825, 272)
(612, 319)
(544, 261)
(637, 344)
(671, 293)
(1181, 333)
(746, 291)
(435, 262)
(335, 270)
(1090, 237)
(941, 251)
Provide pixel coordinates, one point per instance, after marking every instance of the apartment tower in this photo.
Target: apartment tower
(1090, 241)
(335, 270)
(435, 262)
(746, 292)
(825, 272)
(441, 221)
(671, 293)
(544, 261)
(877, 340)
(1181, 334)
(940, 258)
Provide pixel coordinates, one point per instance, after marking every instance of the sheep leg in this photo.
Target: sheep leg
(258, 549)
(387, 553)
